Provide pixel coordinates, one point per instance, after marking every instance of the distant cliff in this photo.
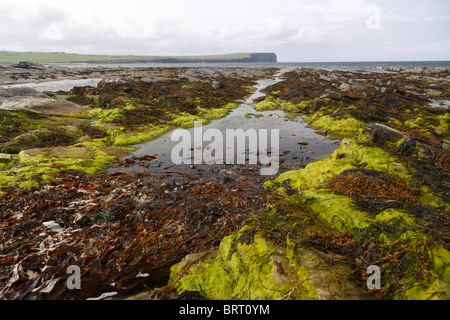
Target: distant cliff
(251, 57)
(263, 57)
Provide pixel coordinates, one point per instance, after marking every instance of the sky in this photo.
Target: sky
(296, 30)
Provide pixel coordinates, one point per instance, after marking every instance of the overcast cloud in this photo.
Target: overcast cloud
(303, 30)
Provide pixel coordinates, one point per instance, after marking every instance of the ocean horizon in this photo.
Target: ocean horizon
(366, 66)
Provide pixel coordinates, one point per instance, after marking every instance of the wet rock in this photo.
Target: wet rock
(6, 156)
(153, 79)
(62, 152)
(394, 69)
(324, 77)
(321, 132)
(19, 92)
(357, 85)
(216, 85)
(68, 152)
(41, 138)
(71, 130)
(48, 106)
(29, 65)
(345, 87)
(21, 142)
(116, 151)
(380, 133)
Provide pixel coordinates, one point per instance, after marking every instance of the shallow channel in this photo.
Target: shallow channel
(298, 143)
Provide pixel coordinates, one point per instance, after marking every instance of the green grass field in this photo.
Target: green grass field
(59, 57)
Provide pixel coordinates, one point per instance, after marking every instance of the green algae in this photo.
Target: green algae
(348, 156)
(342, 214)
(391, 214)
(444, 123)
(339, 211)
(428, 198)
(340, 127)
(438, 285)
(28, 171)
(106, 115)
(266, 105)
(272, 104)
(291, 115)
(149, 132)
(217, 113)
(186, 120)
(244, 270)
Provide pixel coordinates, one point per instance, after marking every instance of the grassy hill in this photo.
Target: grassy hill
(61, 57)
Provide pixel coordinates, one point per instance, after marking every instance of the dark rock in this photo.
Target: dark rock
(29, 65)
(20, 92)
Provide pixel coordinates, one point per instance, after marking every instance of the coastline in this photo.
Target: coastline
(285, 243)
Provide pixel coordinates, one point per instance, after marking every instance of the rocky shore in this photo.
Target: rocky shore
(381, 199)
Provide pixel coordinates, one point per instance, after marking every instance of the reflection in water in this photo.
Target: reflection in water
(291, 132)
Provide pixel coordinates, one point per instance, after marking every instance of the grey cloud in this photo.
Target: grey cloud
(301, 30)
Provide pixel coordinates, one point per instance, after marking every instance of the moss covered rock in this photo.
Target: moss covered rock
(243, 268)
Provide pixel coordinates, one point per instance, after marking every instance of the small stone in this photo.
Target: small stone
(321, 132)
(217, 85)
(52, 226)
(345, 86)
(324, 77)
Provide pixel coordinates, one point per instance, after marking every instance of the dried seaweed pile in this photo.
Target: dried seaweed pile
(123, 230)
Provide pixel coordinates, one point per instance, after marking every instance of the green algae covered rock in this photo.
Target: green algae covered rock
(36, 166)
(346, 157)
(246, 266)
(344, 216)
(342, 127)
